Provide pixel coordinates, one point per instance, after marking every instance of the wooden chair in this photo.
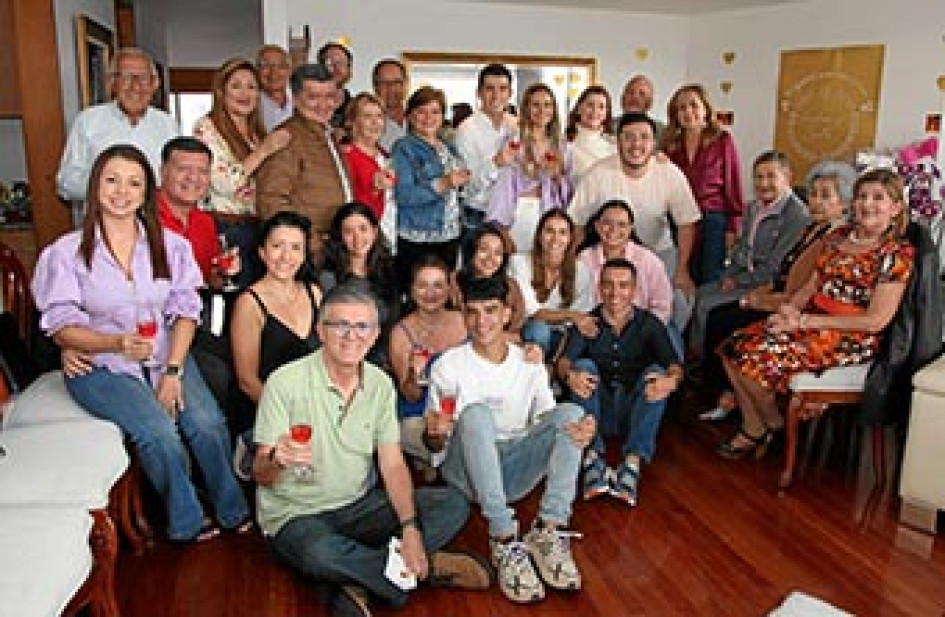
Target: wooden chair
(14, 291)
(811, 396)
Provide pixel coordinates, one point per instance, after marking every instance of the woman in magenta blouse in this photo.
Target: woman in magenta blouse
(706, 153)
(121, 293)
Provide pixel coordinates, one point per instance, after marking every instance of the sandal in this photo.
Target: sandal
(756, 446)
(726, 405)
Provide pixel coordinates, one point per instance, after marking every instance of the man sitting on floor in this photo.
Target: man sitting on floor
(621, 377)
(321, 421)
(506, 435)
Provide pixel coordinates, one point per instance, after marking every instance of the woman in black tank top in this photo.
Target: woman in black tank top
(273, 321)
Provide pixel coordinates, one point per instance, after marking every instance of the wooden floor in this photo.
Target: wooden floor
(710, 537)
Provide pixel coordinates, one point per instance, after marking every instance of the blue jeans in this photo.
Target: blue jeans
(609, 402)
(542, 334)
(131, 404)
(496, 473)
(349, 544)
(711, 247)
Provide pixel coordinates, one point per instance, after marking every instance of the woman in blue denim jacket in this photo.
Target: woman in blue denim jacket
(429, 177)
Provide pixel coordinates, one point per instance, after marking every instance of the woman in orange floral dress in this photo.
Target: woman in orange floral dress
(836, 319)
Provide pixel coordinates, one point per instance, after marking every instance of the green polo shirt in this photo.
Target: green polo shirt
(343, 441)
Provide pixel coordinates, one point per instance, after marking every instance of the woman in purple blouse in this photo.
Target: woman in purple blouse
(706, 153)
(121, 294)
(539, 178)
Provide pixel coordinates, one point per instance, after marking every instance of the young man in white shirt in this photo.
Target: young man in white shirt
(507, 434)
(482, 140)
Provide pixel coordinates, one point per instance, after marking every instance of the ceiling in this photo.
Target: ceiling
(679, 7)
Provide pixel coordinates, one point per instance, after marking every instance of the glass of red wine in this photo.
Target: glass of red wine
(422, 358)
(301, 434)
(146, 326)
(225, 260)
(448, 404)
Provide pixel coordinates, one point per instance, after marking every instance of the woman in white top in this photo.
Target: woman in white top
(590, 131)
(556, 286)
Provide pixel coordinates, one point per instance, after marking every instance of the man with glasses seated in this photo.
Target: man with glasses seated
(321, 420)
(129, 118)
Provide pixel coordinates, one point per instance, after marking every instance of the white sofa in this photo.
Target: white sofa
(922, 485)
(56, 480)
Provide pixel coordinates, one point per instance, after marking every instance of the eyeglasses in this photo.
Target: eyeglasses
(389, 82)
(137, 79)
(273, 65)
(341, 64)
(361, 329)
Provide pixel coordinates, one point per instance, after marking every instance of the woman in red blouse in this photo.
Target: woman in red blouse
(372, 179)
(706, 153)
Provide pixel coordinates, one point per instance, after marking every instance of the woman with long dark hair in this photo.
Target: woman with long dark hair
(122, 292)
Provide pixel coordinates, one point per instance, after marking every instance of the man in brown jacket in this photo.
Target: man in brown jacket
(308, 176)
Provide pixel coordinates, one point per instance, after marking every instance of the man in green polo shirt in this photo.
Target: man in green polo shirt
(317, 503)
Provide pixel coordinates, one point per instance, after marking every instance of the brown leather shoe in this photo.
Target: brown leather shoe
(459, 570)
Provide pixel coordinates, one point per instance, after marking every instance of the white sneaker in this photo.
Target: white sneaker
(716, 413)
(551, 550)
(517, 577)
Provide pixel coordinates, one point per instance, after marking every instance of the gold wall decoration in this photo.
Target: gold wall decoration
(641, 53)
(728, 57)
(344, 39)
(828, 103)
(940, 82)
(726, 86)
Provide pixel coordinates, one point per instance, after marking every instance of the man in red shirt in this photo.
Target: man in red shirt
(185, 180)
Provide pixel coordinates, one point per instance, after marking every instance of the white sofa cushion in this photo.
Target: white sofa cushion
(46, 558)
(931, 378)
(839, 379)
(45, 400)
(68, 463)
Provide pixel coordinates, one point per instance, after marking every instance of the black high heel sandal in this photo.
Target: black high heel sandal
(756, 446)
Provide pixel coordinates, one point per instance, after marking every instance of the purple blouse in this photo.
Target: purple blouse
(102, 299)
(513, 182)
(714, 176)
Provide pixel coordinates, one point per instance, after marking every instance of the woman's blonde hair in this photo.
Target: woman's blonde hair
(672, 139)
(894, 187)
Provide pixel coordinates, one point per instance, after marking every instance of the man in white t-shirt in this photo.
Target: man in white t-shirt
(653, 186)
(507, 434)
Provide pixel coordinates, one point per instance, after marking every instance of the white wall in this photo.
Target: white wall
(204, 33)
(12, 150)
(435, 25)
(912, 32)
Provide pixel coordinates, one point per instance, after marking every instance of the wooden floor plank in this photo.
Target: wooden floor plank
(710, 537)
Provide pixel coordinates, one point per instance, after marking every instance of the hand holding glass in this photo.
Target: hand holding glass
(421, 356)
(225, 261)
(146, 326)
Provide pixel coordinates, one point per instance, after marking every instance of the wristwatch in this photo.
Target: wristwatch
(174, 370)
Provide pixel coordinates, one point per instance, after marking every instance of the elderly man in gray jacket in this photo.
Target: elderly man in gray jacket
(772, 224)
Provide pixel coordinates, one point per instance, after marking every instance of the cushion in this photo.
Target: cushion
(46, 558)
(68, 463)
(798, 604)
(931, 379)
(45, 400)
(839, 379)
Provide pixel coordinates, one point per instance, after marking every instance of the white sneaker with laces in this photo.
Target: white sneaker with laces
(517, 577)
(551, 549)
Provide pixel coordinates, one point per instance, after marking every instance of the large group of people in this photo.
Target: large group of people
(491, 303)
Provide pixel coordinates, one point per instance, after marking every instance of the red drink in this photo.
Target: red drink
(301, 433)
(448, 405)
(225, 261)
(550, 156)
(515, 144)
(147, 329)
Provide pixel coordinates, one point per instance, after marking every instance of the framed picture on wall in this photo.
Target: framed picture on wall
(95, 45)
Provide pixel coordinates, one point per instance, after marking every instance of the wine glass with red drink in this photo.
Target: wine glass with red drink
(146, 326)
(301, 434)
(225, 260)
(422, 358)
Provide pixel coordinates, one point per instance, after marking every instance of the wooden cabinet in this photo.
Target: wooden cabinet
(9, 82)
(23, 244)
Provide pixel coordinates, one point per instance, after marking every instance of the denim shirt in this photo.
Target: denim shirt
(420, 208)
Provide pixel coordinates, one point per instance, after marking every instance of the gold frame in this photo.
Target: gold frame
(409, 58)
(95, 46)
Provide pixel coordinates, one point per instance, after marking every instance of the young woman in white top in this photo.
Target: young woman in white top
(557, 288)
(590, 131)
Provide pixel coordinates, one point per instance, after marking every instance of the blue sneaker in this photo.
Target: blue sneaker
(626, 481)
(595, 478)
